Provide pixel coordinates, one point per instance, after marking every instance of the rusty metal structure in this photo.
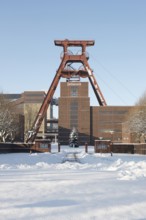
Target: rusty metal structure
(66, 70)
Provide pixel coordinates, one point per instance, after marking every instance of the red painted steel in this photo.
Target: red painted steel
(67, 58)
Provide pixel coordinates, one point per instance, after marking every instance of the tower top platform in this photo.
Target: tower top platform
(72, 43)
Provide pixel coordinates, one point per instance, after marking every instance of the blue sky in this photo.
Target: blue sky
(29, 59)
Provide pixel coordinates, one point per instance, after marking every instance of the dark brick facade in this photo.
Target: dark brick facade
(91, 122)
(106, 122)
(74, 111)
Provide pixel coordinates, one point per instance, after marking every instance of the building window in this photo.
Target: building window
(74, 114)
(74, 91)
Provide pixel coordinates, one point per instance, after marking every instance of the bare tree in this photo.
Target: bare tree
(142, 100)
(8, 120)
(136, 120)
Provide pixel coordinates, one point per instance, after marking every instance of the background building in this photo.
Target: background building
(27, 106)
(98, 122)
(107, 122)
(32, 101)
(91, 122)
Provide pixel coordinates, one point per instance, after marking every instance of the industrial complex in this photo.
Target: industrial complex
(98, 122)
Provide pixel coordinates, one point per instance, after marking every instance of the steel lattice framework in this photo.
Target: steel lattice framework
(63, 71)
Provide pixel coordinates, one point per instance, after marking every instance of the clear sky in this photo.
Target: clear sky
(29, 59)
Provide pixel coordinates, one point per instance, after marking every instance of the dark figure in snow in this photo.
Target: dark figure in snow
(73, 138)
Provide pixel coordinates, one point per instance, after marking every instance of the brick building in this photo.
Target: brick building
(92, 122)
(98, 122)
(27, 105)
(74, 111)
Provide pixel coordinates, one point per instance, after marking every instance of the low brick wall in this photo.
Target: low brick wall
(13, 148)
(115, 148)
(132, 148)
(128, 148)
(122, 148)
(103, 146)
(140, 148)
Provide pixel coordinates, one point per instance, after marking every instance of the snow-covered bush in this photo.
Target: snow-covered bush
(73, 138)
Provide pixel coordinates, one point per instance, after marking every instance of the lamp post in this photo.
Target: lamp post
(112, 133)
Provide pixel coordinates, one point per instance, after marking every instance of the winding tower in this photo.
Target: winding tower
(66, 70)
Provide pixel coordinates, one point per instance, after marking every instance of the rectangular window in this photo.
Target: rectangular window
(74, 91)
(74, 114)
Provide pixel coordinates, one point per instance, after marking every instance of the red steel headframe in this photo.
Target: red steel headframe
(67, 58)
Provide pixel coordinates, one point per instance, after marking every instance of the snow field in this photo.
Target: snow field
(43, 186)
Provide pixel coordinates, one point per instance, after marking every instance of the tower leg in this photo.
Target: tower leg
(43, 109)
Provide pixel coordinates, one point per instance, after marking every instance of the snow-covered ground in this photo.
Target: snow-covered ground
(47, 186)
